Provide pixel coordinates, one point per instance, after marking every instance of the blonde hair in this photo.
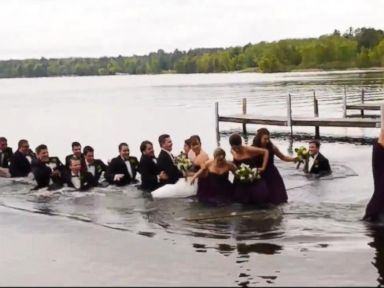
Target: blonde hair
(219, 154)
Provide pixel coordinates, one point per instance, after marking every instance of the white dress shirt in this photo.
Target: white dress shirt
(129, 167)
(29, 158)
(311, 161)
(76, 180)
(91, 168)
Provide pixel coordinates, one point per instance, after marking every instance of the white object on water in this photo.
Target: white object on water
(181, 189)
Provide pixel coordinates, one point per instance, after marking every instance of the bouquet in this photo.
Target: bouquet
(246, 174)
(301, 154)
(183, 163)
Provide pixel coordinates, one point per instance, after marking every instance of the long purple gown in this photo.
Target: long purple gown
(255, 193)
(215, 189)
(375, 206)
(277, 194)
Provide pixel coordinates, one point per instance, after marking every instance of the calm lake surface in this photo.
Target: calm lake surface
(317, 238)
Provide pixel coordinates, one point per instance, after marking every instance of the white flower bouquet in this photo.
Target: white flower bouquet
(182, 162)
(244, 173)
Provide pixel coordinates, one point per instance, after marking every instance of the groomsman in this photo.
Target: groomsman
(122, 170)
(150, 171)
(5, 157)
(20, 166)
(316, 163)
(5, 153)
(94, 166)
(47, 170)
(76, 178)
(166, 160)
(76, 153)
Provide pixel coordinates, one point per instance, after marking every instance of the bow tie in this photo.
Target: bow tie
(90, 165)
(75, 176)
(312, 156)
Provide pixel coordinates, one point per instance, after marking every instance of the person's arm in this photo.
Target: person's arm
(282, 156)
(203, 168)
(381, 137)
(255, 151)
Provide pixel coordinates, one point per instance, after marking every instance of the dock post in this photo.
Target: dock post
(382, 116)
(345, 103)
(362, 101)
(289, 113)
(217, 123)
(316, 112)
(244, 112)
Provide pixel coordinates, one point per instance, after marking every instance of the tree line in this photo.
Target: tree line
(361, 47)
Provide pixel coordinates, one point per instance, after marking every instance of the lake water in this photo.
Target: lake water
(317, 238)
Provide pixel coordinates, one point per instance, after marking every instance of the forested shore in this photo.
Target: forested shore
(355, 48)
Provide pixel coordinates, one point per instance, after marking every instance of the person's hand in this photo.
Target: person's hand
(192, 181)
(56, 173)
(261, 170)
(118, 177)
(296, 159)
(163, 175)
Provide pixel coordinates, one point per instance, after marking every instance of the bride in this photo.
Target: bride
(181, 186)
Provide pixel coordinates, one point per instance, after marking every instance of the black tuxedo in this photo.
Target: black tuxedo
(149, 171)
(86, 180)
(166, 164)
(43, 173)
(118, 166)
(320, 167)
(68, 159)
(5, 157)
(99, 165)
(56, 164)
(19, 165)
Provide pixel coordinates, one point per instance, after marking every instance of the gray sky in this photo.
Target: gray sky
(94, 28)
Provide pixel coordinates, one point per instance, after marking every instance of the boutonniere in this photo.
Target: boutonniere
(133, 162)
(98, 168)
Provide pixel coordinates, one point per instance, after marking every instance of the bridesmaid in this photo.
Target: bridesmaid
(277, 194)
(200, 156)
(375, 208)
(216, 188)
(245, 192)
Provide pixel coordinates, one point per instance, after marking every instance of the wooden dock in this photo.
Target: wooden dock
(301, 121)
(346, 121)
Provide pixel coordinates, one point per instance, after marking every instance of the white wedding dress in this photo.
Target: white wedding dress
(181, 189)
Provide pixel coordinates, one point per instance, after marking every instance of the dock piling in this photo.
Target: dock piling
(362, 101)
(217, 123)
(244, 112)
(289, 113)
(316, 113)
(381, 116)
(345, 103)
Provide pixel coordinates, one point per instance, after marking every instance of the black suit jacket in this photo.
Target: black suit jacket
(320, 167)
(43, 174)
(166, 164)
(100, 167)
(117, 166)
(5, 157)
(19, 165)
(86, 180)
(149, 171)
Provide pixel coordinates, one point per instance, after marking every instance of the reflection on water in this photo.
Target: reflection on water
(377, 233)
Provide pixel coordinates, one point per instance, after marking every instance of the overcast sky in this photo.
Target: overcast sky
(94, 28)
